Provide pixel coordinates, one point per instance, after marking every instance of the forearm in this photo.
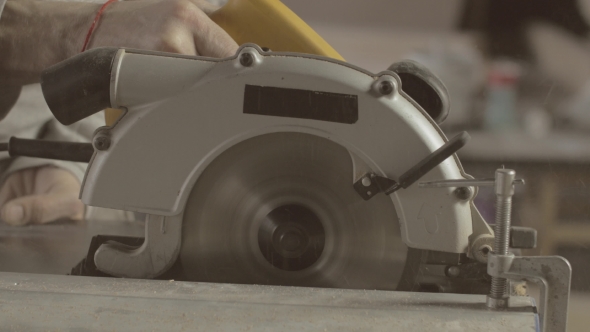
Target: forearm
(37, 34)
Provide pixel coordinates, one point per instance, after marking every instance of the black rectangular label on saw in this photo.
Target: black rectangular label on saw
(301, 104)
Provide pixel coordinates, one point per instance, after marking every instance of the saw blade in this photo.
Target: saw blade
(280, 209)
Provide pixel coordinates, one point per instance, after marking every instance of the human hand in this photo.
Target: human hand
(56, 30)
(177, 26)
(40, 195)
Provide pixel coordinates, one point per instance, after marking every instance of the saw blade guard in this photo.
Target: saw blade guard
(183, 112)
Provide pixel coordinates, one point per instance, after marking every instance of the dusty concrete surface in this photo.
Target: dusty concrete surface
(48, 302)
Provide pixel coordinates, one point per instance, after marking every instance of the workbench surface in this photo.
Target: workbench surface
(49, 302)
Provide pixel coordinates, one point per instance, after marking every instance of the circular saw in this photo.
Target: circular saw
(273, 168)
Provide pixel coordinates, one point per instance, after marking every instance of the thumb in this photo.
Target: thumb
(39, 209)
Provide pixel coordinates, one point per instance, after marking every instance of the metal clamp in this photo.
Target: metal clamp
(554, 272)
(482, 245)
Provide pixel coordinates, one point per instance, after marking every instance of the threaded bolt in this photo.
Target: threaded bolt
(504, 191)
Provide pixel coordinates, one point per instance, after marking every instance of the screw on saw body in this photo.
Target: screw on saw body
(463, 193)
(102, 142)
(385, 87)
(246, 59)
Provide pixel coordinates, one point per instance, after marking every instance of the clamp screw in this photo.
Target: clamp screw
(246, 59)
(504, 185)
(366, 181)
(385, 87)
(102, 143)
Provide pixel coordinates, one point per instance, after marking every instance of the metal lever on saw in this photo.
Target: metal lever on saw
(68, 151)
(465, 183)
(371, 184)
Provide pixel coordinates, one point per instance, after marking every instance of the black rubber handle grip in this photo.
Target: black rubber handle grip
(435, 158)
(79, 86)
(68, 151)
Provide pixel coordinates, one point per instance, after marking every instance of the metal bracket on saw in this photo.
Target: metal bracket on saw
(371, 184)
(154, 257)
